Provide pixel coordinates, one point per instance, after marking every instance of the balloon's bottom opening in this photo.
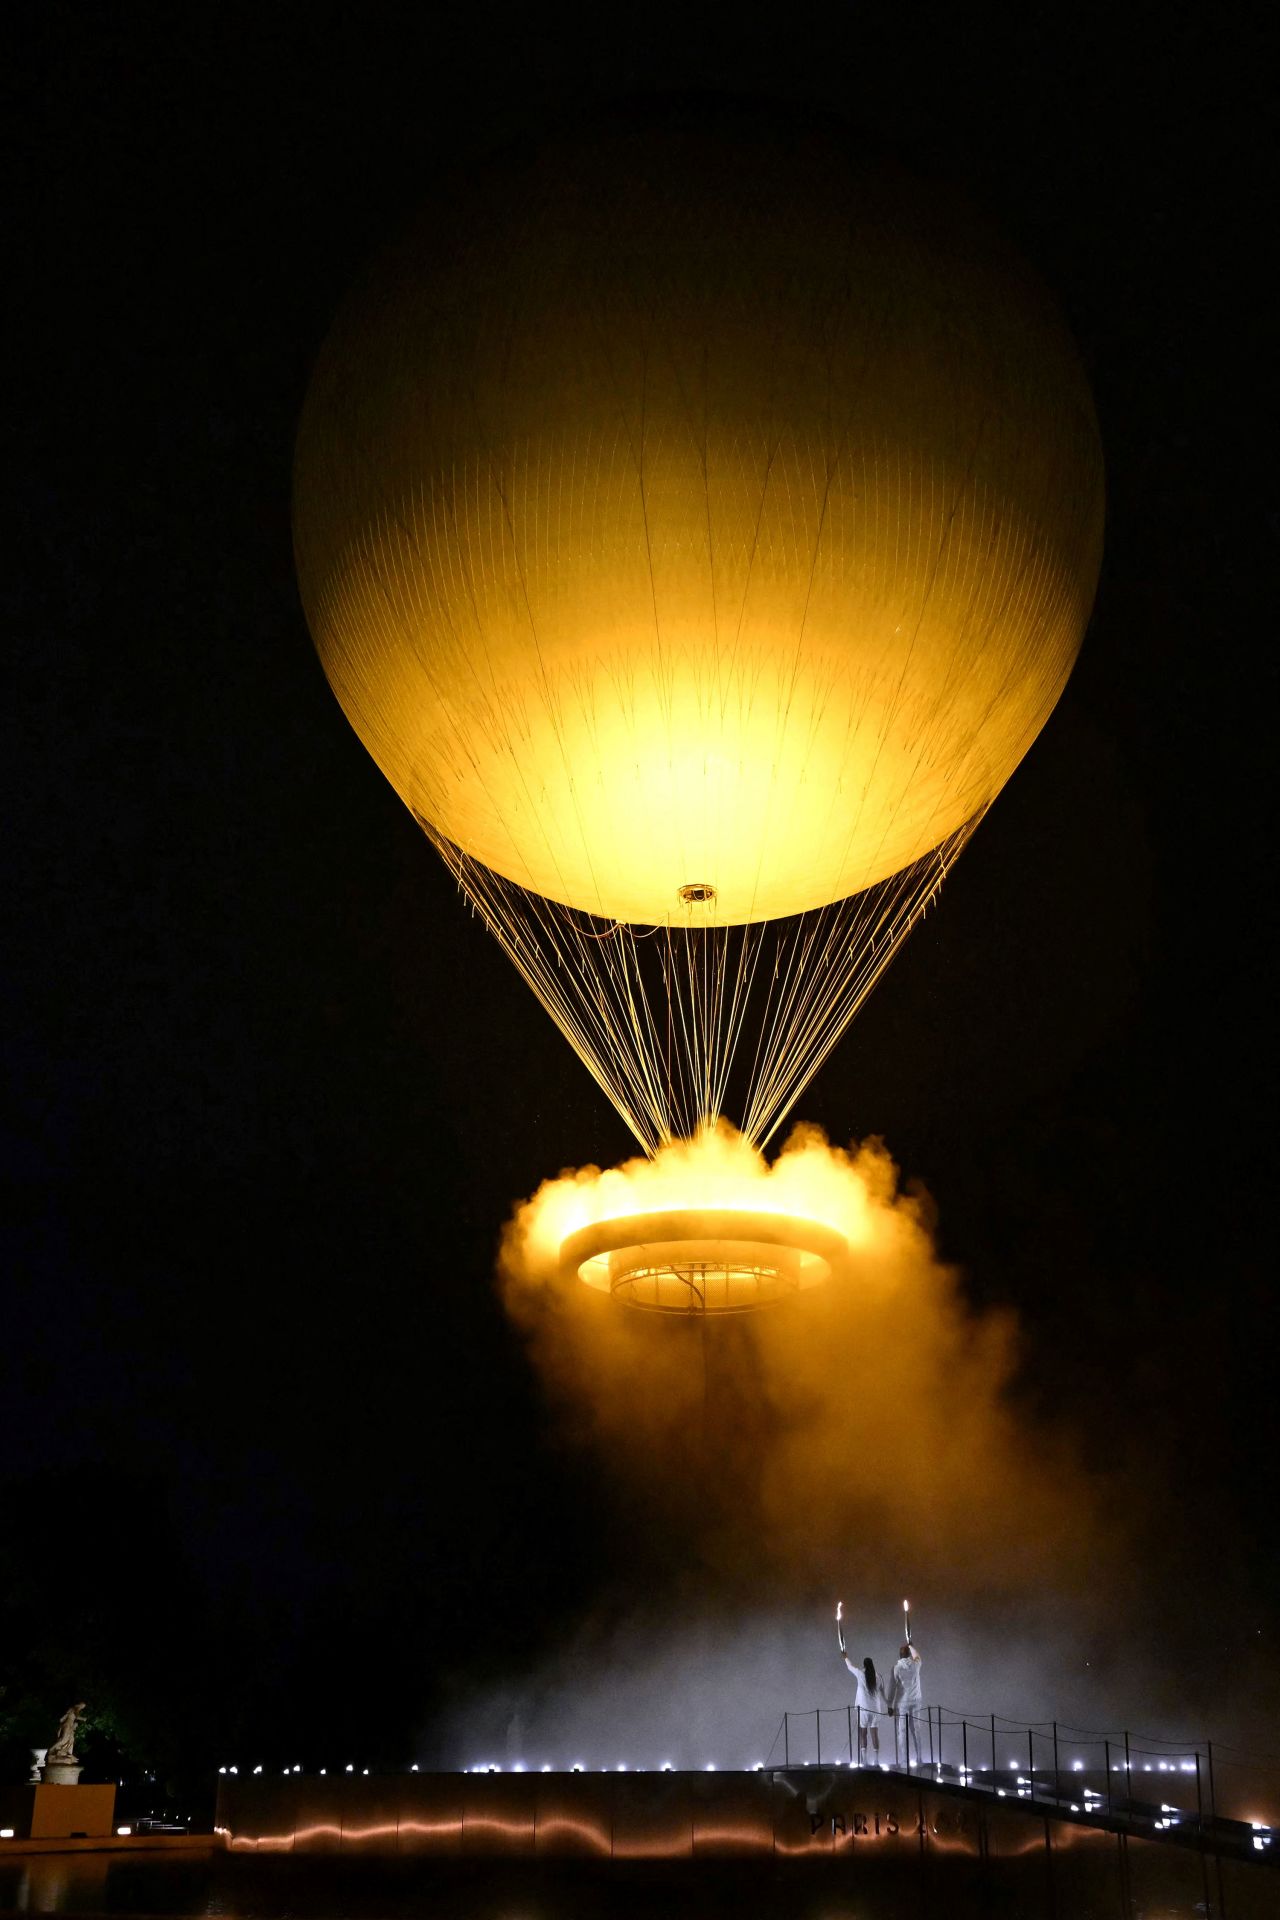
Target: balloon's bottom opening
(696, 1260)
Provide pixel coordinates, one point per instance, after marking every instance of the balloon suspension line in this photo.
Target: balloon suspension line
(657, 1014)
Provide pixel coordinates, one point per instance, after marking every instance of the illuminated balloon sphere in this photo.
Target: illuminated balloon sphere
(697, 517)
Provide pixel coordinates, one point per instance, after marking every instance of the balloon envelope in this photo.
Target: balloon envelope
(692, 523)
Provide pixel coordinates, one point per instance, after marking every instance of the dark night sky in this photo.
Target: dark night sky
(272, 1093)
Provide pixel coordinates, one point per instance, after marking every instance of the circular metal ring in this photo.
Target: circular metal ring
(702, 1259)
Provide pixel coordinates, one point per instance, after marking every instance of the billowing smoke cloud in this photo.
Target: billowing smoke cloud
(863, 1434)
(706, 1684)
(862, 1440)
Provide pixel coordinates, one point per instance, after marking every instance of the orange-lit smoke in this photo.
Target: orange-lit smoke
(866, 1425)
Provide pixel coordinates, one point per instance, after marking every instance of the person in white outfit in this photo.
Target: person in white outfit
(871, 1703)
(871, 1706)
(907, 1702)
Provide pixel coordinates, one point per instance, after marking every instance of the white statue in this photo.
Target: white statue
(63, 1750)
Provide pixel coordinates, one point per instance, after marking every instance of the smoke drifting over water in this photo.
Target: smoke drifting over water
(860, 1440)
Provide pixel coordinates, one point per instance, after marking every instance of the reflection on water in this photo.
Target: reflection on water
(332, 1890)
(244, 1889)
(942, 1885)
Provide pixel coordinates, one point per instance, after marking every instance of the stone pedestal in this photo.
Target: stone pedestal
(62, 1773)
(53, 1812)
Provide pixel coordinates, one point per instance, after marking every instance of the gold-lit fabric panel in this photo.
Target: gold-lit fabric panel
(679, 512)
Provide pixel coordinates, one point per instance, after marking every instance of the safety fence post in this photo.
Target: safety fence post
(1213, 1803)
(1204, 1857)
(1213, 1821)
(1057, 1775)
(1031, 1761)
(1106, 1757)
(817, 1721)
(786, 1739)
(1128, 1779)
(848, 1714)
(993, 1753)
(964, 1751)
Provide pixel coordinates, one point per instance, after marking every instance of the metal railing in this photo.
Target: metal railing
(1168, 1787)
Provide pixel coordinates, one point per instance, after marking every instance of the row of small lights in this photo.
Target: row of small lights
(286, 1771)
(965, 1773)
(519, 1767)
(666, 1766)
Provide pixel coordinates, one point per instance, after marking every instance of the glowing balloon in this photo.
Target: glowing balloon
(698, 516)
(695, 526)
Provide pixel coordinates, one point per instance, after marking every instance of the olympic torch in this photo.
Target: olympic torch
(906, 1619)
(839, 1627)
